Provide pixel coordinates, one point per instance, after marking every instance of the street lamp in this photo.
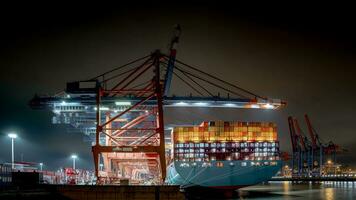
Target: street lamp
(41, 165)
(12, 136)
(74, 157)
(101, 166)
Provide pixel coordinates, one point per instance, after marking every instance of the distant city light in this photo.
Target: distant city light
(12, 135)
(63, 103)
(123, 103)
(230, 104)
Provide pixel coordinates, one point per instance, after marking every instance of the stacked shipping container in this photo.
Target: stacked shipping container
(219, 140)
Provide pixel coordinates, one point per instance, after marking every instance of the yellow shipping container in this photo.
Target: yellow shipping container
(226, 131)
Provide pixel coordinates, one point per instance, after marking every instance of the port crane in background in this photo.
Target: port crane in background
(310, 157)
(122, 111)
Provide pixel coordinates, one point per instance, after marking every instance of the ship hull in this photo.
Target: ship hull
(221, 174)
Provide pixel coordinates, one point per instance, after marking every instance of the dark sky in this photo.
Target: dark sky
(304, 54)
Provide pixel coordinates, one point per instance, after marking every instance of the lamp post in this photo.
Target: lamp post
(41, 165)
(74, 157)
(13, 136)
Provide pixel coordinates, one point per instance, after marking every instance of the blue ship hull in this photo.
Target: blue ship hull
(221, 174)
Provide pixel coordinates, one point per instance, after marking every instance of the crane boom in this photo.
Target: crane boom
(292, 134)
(171, 61)
(299, 133)
(313, 136)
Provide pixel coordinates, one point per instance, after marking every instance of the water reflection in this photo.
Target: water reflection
(289, 190)
(286, 186)
(329, 193)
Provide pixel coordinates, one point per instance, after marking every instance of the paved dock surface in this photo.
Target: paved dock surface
(61, 192)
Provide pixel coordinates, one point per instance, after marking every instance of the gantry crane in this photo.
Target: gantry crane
(123, 109)
(308, 156)
(300, 148)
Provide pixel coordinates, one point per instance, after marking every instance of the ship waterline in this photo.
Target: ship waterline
(222, 174)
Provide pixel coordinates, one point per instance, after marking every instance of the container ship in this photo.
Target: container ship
(224, 155)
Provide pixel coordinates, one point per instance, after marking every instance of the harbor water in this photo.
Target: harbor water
(293, 191)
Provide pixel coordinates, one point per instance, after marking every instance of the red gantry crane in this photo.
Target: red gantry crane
(308, 156)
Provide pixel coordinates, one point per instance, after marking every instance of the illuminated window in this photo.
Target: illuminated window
(244, 164)
(220, 164)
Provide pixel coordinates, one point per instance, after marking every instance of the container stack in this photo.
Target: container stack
(226, 131)
(219, 140)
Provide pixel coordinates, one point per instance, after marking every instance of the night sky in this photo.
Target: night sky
(304, 54)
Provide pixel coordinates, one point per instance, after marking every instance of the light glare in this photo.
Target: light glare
(181, 103)
(269, 106)
(201, 104)
(12, 135)
(123, 103)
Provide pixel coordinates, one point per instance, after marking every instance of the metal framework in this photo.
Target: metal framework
(137, 129)
(309, 156)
